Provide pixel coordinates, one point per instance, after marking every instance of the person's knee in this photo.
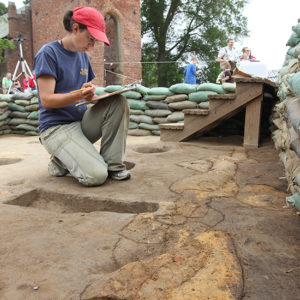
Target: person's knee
(94, 178)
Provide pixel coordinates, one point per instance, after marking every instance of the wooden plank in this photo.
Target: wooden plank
(252, 123)
(173, 126)
(222, 97)
(201, 112)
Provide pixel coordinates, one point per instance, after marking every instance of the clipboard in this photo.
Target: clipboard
(126, 89)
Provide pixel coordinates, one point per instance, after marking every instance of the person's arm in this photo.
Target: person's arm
(49, 99)
(221, 55)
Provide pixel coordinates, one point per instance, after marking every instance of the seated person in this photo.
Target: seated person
(226, 74)
(246, 54)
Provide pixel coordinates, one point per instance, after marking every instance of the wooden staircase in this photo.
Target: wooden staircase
(249, 94)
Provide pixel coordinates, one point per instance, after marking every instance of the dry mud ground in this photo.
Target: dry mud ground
(198, 220)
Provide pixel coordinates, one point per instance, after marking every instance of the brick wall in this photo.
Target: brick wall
(19, 24)
(47, 26)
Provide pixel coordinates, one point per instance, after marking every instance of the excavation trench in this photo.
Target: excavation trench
(70, 203)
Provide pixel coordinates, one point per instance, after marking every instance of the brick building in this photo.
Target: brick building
(42, 23)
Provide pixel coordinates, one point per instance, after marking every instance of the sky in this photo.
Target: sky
(270, 24)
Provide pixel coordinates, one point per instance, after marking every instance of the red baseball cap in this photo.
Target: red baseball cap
(93, 20)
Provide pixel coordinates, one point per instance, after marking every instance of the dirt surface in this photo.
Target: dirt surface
(198, 220)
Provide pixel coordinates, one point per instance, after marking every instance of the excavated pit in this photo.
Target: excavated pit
(9, 161)
(68, 203)
(151, 149)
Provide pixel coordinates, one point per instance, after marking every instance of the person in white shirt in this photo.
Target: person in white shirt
(229, 54)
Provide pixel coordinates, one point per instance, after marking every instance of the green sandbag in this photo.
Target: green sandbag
(294, 83)
(183, 88)
(34, 100)
(160, 91)
(183, 105)
(32, 107)
(141, 119)
(160, 120)
(296, 29)
(157, 105)
(133, 125)
(176, 98)
(22, 96)
(293, 51)
(3, 104)
(136, 112)
(18, 121)
(34, 115)
(281, 94)
(137, 104)
(22, 102)
(4, 122)
(20, 132)
(175, 117)
(113, 88)
(26, 127)
(139, 132)
(154, 97)
(148, 126)
(142, 89)
(229, 87)
(155, 132)
(208, 86)
(204, 105)
(31, 133)
(294, 200)
(157, 112)
(34, 93)
(6, 97)
(5, 115)
(100, 90)
(18, 114)
(132, 95)
(293, 40)
(200, 96)
(17, 107)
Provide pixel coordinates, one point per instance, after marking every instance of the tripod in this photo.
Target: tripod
(24, 66)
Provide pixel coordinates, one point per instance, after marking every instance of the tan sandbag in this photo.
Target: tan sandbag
(139, 132)
(176, 98)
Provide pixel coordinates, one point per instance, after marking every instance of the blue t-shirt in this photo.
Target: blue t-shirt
(70, 70)
(190, 74)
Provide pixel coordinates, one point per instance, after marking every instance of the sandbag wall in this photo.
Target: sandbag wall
(19, 114)
(150, 107)
(286, 116)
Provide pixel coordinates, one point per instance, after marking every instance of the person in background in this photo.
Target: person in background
(229, 54)
(31, 81)
(26, 86)
(226, 74)
(246, 54)
(6, 83)
(190, 71)
(17, 86)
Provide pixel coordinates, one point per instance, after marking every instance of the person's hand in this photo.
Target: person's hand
(199, 71)
(89, 91)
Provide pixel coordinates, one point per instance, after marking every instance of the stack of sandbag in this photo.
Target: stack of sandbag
(286, 116)
(19, 114)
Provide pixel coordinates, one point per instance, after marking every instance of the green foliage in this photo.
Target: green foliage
(3, 9)
(5, 44)
(175, 30)
(26, 2)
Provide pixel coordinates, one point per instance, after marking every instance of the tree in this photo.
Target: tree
(26, 2)
(3, 9)
(5, 44)
(173, 30)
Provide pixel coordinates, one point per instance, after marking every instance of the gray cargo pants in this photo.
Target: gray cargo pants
(72, 149)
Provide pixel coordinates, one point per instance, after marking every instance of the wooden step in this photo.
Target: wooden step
(172, 126)
(195, 111)
(222, 97)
